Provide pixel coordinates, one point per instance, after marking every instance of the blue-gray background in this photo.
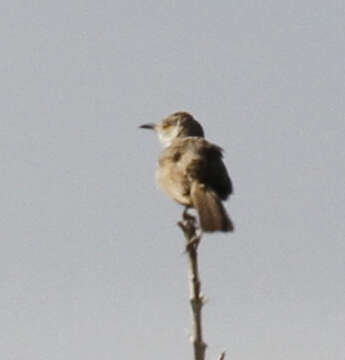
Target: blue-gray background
(91, 262)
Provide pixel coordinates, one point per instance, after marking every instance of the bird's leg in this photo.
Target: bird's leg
(186, 216)
(190, 218)
(201, 233)
(190, 229)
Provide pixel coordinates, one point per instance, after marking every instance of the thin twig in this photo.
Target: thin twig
(188, 226)
(222, 356)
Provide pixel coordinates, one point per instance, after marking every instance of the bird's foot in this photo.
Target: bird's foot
(190, 229)
(186, 216)
(188, 222)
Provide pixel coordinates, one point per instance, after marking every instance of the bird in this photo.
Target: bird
(191, 170)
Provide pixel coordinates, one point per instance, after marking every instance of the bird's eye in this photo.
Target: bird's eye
(165, 125)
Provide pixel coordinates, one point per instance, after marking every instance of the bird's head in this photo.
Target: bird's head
(177, 125)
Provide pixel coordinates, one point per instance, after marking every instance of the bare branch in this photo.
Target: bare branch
(222, 356)
(188, 226)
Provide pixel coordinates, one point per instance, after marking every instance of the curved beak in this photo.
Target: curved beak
(150, 126)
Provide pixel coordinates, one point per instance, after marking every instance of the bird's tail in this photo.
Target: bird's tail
(212, 214)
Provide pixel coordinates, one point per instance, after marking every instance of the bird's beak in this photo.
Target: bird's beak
(150, 126)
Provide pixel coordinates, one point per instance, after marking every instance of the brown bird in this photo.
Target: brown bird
(191, 171)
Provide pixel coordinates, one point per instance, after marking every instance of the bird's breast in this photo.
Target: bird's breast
(171, 178)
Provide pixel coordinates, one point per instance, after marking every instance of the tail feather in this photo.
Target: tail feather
(212, 214)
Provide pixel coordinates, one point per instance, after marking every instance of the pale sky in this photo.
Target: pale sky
(91, 259)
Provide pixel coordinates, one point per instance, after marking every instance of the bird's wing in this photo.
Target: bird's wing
(208, 167)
